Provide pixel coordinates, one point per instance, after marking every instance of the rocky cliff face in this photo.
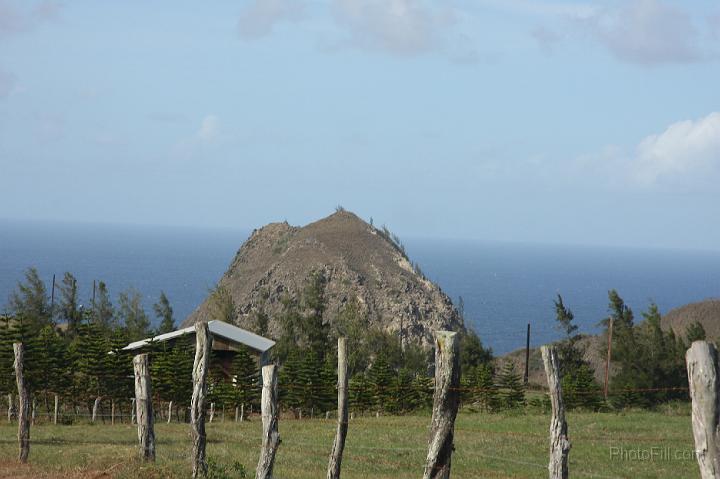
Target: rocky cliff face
(359, 262)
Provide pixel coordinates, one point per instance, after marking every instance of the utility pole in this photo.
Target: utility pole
(607, 361)
(52, 294)
(527, 355)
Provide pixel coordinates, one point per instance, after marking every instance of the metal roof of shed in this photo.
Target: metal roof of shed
(217, 328)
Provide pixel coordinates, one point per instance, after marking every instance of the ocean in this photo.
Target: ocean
(504, 286)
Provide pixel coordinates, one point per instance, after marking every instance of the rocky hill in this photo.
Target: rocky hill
(359, 262)
(705, 312)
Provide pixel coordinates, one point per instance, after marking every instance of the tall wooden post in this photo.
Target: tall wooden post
(144, 407)
(342, 423)
(132, 411)
(270, 434)
(446, 400)
(170, 406)
(55, 411)
(23, 404)
(52, 296)
(702, 367)
(527, 355)
(607, 360)
(203, 347)
(559, 442)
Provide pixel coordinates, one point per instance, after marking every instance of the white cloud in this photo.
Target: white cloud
(209, 129)
(259, 18)
(401, 27)
(686, 147)
(647, 32)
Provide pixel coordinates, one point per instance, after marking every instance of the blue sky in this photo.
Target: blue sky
(533, 121)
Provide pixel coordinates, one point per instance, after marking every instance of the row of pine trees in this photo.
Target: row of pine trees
(76, 353)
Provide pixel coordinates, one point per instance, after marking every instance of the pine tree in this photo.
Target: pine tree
(181, 360)
(164, 312)
(310, 381)
(695, 332)
(103, 311)
(133, 316)
(472, 352)
(7, 378)
(222, 305)
(50, 364)
(512, 389)
(246, 378)
(316, 331)
(485, 392)
(290, 387)
(89, 352)
(327, 400)
(423, 389)
(119, 369)
(380, 377)
(69, 308)
(23, 331)
(30, 301)
(161, 371)
(360, 393)
(403, 397)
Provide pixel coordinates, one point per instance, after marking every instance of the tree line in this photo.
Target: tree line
(76, 353)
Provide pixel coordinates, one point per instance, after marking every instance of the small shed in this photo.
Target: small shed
(227, 340)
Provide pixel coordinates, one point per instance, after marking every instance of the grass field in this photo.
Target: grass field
(486, 445)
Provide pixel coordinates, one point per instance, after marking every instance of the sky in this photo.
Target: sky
(516, 120)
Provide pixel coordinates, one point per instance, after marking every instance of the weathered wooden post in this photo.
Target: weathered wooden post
(212, 411)
(144, 407)
(559, 442)
(702, 369)
(96, 406)
(132, 411)
(23, 403)
(342, 423)
(203, 347)
(446, 400)
(55, 412)
(269, 411)
(10, 407)
(169, 418)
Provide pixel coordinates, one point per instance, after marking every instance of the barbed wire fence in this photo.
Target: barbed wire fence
(444, 388)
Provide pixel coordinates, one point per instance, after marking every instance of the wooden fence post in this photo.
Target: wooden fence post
(559, 442)
(269, 411)
(170, 406)
(144, 407)
(702, 369)
(95, 408)
(446, 400)
(23, 404)
(10, 406)
(342, 423)
(55, 413)
(132, 411)
(203, 347)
